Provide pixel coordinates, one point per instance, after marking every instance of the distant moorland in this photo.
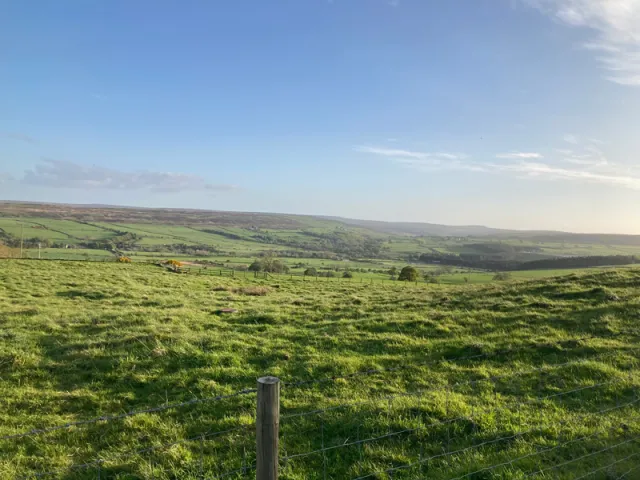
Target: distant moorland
(236, 239)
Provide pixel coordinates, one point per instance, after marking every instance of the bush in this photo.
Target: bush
(502, 276)
(310, 272)
(347, 274)
(124, 259)
(408, 274)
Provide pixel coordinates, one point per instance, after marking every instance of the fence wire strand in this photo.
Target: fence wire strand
(452, 420)
(568, 462)
(110, 418)
(631, 470)
(126, 455)
(454, 385)
(497, 440)
(542, 369)
(433, 361)
(628, 457)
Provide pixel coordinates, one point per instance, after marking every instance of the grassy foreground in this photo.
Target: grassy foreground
(529, 376)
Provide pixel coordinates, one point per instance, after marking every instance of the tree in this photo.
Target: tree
(270, 263)
(393, 271)
(310, 272)
(255, 266)
(347, 274)
(277, 266)
(408, 274)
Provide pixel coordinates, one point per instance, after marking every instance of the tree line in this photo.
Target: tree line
(482, 263)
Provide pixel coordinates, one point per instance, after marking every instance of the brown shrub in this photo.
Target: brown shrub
(173, 263)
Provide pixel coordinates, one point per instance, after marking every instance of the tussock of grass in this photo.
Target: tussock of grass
(80, 340)
(252, 291)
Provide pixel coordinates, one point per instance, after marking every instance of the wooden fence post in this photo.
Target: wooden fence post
(267, 428)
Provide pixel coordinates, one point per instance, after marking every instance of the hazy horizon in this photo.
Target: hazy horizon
(317, 215)
(511, 114)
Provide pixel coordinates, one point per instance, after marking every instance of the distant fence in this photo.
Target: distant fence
(236, 273)
(424, 433)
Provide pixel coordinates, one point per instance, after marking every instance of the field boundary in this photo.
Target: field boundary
(273, 453)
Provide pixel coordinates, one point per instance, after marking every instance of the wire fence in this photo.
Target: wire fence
(576, 418)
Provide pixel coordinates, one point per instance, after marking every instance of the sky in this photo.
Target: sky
(507, 113)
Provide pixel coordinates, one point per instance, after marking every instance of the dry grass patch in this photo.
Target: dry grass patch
(252, 291)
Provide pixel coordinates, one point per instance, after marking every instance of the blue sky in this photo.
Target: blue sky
(509, 113)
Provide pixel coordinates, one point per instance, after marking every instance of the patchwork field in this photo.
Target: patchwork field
(520, 379)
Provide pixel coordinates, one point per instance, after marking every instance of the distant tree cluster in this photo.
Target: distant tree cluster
(481, 262)
(270, 264)
(339, 241)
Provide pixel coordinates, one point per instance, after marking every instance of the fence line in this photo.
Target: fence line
(628, 472)
(628, 457)
(133, 453)
(249, 465)
(160, 408)
(463, 417)
(109, 418)
(375, 371)
(568, 462)
(454, 385)
(497, 440)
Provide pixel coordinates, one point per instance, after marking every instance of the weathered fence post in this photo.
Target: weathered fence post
(267, 428)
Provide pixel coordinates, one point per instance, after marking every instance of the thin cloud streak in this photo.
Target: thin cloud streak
(516, 155)
(398, 153)
(19, 136)
(64, 174)
(591, 166)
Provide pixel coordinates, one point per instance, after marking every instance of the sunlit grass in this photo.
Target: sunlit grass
(82, 339)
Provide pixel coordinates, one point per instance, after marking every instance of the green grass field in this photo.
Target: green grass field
(504, 380)
(286, 233)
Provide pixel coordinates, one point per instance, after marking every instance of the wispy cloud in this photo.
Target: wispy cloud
(572, 139)
(615, 27)
(65, 174)
(515, 155)
(398, 153)
(19, 136)
(585, 163)
(550, 172)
